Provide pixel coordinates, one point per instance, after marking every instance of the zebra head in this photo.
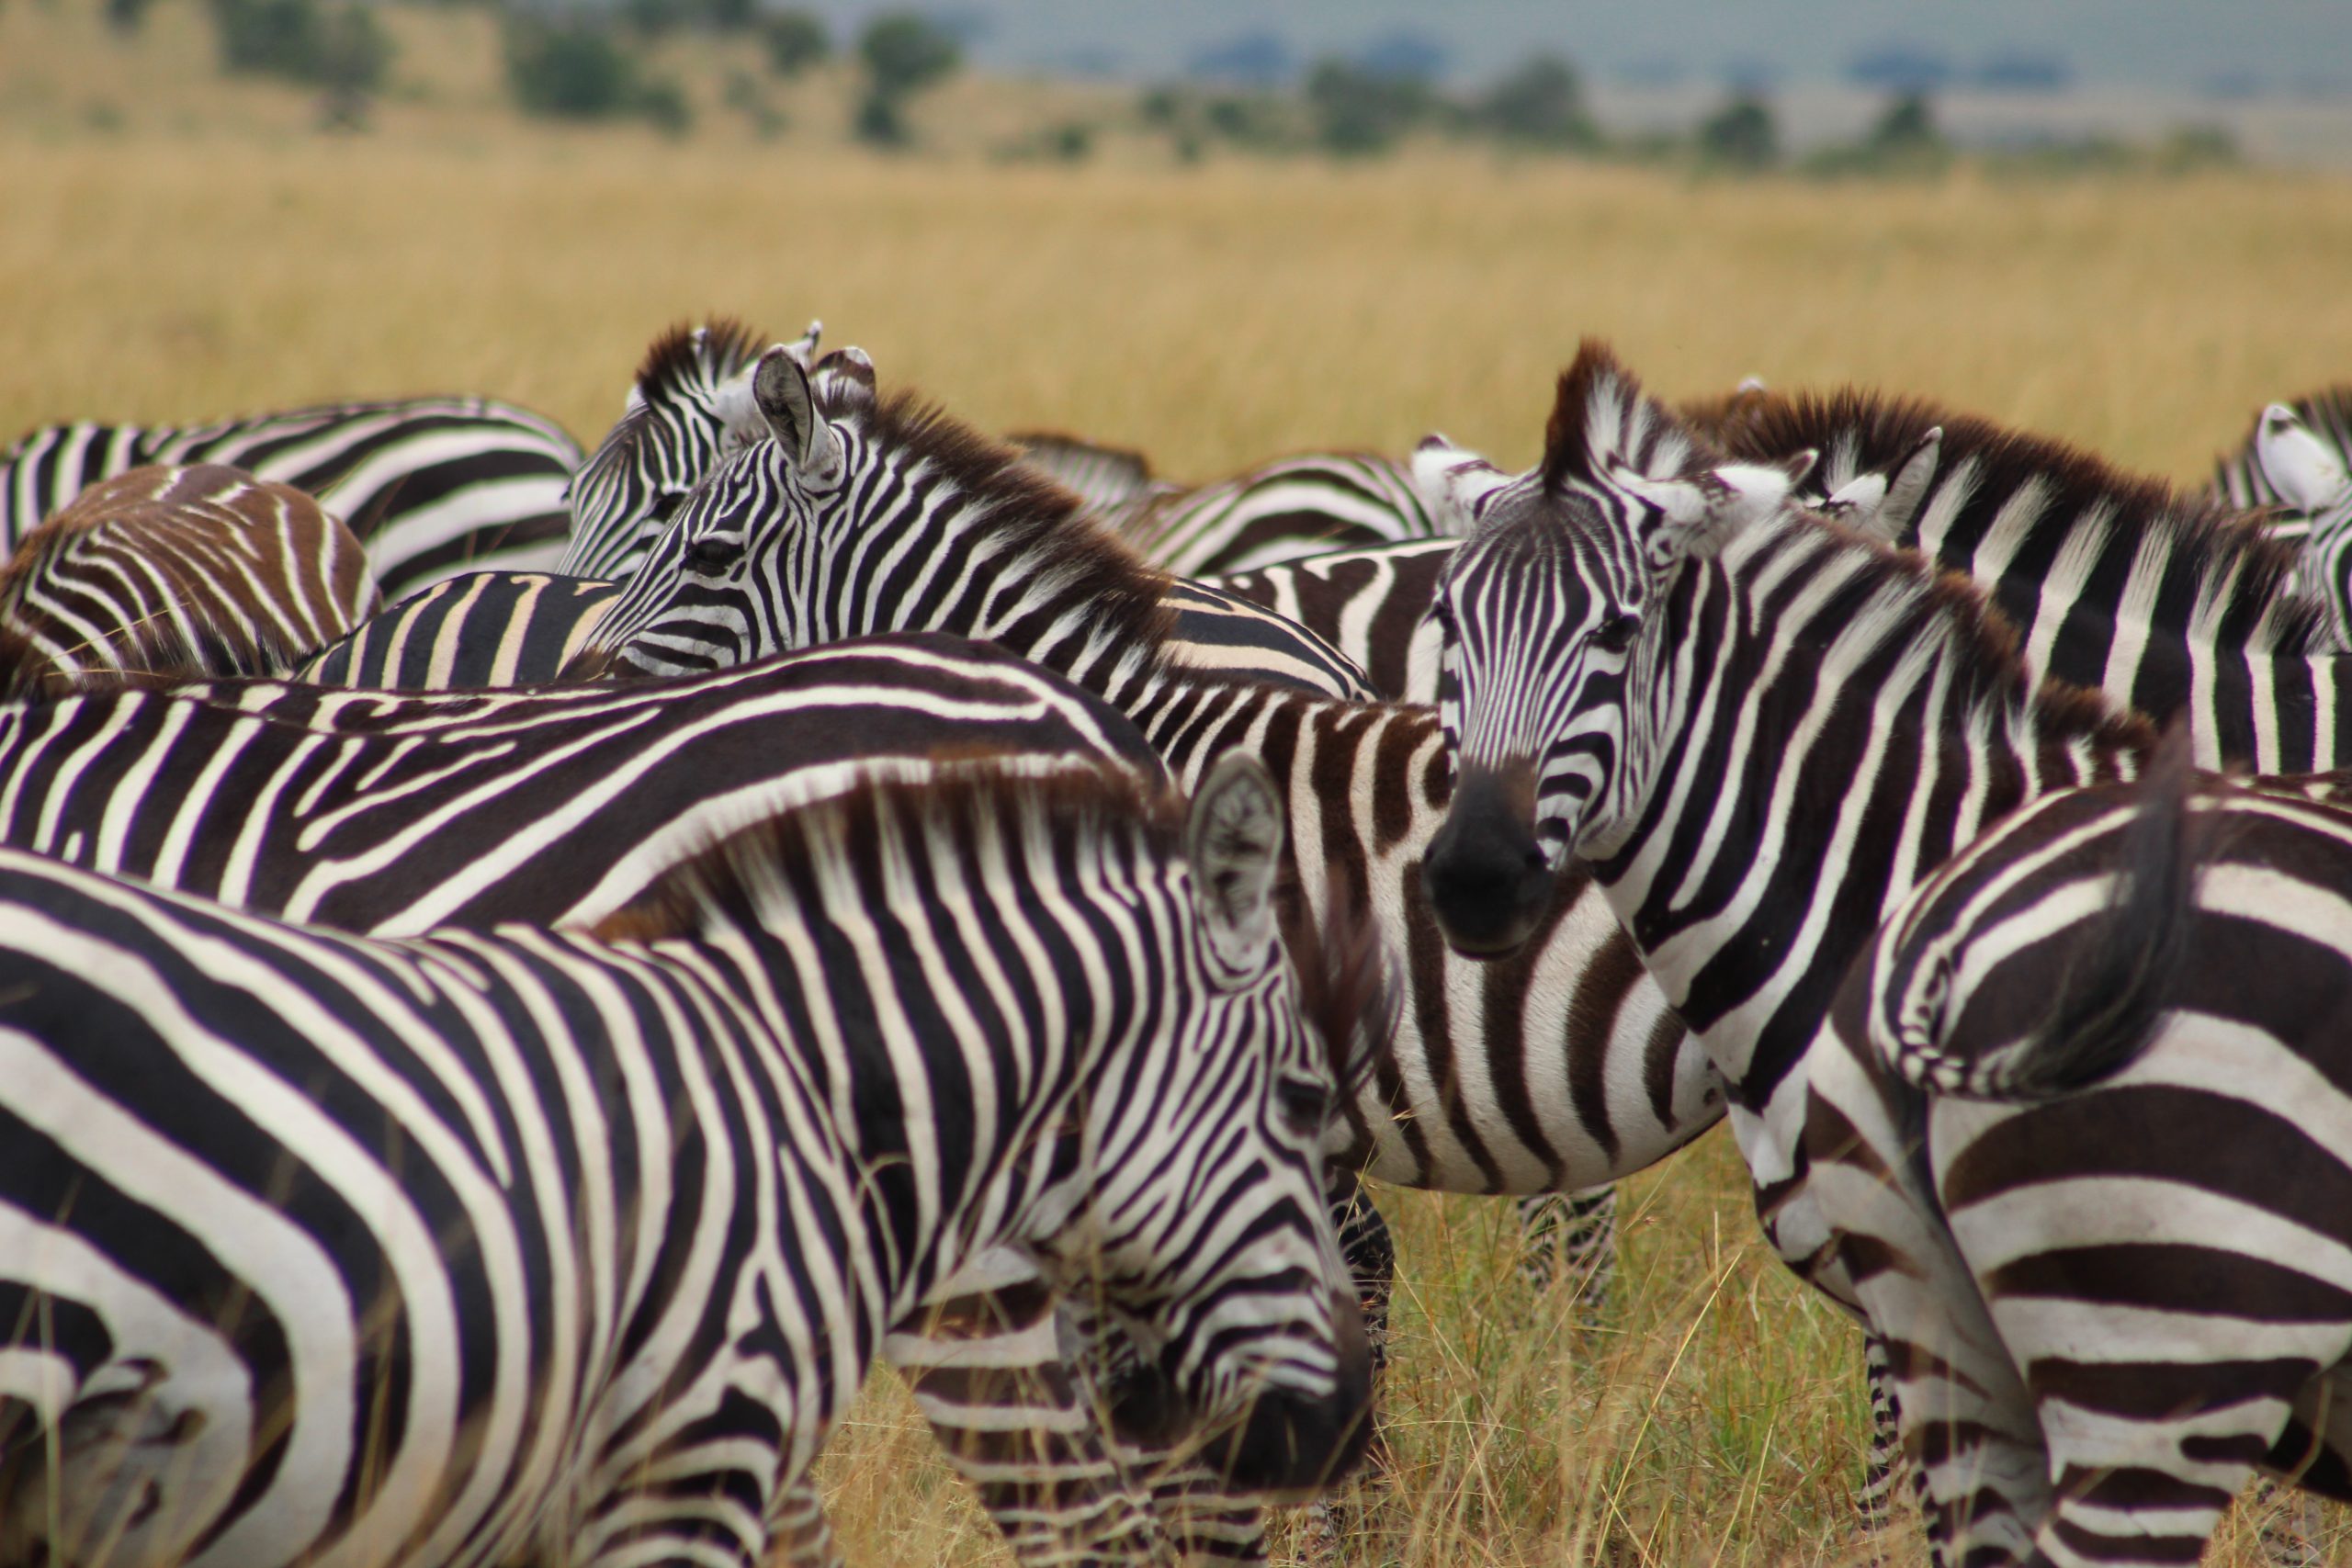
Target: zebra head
(690, 405)
(1539, 613)
(2311, 477)
(1208, 1235)
(860, 515)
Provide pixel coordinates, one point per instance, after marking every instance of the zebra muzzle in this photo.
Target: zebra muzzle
(1487, 880)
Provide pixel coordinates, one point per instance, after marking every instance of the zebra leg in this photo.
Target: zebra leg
(1882, 1465)
(1370, 1252)
(987, 1370)
(803, 1536)
(1571, 1236)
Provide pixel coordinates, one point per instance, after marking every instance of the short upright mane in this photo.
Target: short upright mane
(690, 354)
(1601, 411)
(1858, 432)
(1022, 512)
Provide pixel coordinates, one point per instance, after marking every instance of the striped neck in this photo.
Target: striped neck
(1815, 725)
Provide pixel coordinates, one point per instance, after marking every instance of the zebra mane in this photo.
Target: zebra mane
(1601, 412)
(694, 354)
(1891, 597)
(2239, 574)
(1015, 514)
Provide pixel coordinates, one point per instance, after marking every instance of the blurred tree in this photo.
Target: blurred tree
(267, 37)
(730, 15)
(1539, 105)
(795, 40)
(905, 53)
(1741, 135)
(1906, 129)
(1357, 112)
(125, 16)
(574, 69)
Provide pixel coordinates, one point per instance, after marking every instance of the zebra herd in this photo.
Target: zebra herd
(486, 1073)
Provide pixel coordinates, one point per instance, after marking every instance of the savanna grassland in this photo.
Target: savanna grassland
(1211, 315)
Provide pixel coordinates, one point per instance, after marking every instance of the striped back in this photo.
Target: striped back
(400, 814)
(486, 1247)
(177, 573)
(431, 485)
(1537, 611)
(2169, 603)
(1280, 510)
(485, 628)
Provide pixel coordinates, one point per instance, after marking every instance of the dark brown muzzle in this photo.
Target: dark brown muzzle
(1486, 878)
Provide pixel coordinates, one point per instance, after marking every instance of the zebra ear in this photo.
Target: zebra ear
(1454, 485)
(1234, 839)
(1882, 504)
(780, 389)
(2298, 465)
(1699, 516)
(741, 421)
(803, 347)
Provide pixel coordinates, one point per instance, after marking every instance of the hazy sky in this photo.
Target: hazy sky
(2291, 44)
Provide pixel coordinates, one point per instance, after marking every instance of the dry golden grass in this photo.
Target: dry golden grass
(1212, 316)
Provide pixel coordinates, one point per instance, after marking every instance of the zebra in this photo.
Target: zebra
(178, 573)
(432, 486)
(2169, 603)
(1760, 745)
(393, 813)
(2243, 478)
(2029, 1132)
(514, 629)
(2311, 477)
(690, 404)
(574, 1245)
(1555, 1072)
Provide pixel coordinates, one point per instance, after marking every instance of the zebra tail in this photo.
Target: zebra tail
(2104, 1016)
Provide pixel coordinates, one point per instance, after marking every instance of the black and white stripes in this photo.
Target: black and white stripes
(241, 1155)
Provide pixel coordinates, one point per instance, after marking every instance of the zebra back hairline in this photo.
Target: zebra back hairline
(1907, 597)
(2224, 543)
(1340, 969)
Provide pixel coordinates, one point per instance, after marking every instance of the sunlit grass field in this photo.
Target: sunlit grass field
(1212, 316)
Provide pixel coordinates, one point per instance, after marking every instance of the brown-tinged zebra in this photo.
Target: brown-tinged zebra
(176, 573)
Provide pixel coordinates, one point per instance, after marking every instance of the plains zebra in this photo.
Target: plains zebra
(2312, 477)
(432, 486)
(512, 629)
(690, 404)
(1761, 750)
(2168, 603)
(2066, 1129)
(393, 813)
(482, 1247)
(2243, 479)
(1555, 1071)
(177, 573)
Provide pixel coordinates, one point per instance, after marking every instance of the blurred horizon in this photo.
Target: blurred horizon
(2293, 48)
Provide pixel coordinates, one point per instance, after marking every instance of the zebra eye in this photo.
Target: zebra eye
(1617, 635)
(664, 504)
(1305, 1106)
(713, 555)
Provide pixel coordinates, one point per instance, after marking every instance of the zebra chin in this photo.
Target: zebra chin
(1487, 880)
(1285, 1446)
